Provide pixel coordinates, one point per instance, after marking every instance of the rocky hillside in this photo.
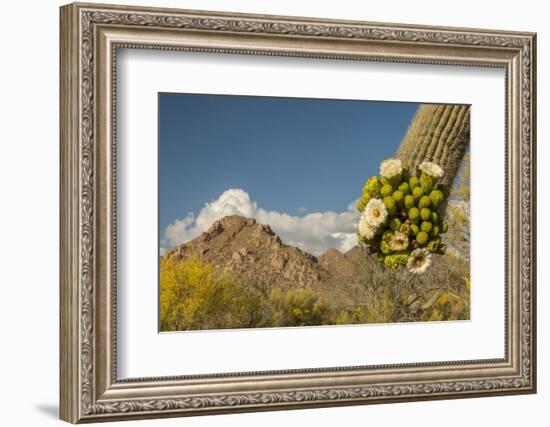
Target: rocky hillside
(254, 251)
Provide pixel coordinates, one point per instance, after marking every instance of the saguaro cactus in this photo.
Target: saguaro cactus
(440, 134)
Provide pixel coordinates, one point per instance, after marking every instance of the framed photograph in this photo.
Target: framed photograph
(266, 212)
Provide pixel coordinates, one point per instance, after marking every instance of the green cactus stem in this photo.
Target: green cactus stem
(440, 134)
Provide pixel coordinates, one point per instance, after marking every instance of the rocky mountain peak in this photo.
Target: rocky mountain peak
(253, 251)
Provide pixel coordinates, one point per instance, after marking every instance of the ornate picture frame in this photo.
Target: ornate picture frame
(90, 37)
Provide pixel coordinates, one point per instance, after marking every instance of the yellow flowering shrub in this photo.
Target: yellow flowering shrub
(297, 307)
(194, 296)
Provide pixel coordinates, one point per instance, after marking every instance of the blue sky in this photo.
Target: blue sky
(294, 156)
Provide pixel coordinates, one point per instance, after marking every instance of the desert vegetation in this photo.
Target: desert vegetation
(194, 295)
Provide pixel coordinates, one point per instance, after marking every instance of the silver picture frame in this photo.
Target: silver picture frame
(90, 37)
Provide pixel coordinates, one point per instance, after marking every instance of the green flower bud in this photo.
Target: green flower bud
(432, 246)
(414, 215)
(424, 202)
(386, 190)
(404, 188)
(442, 249)
(426, 226)
(436, 196)
(396, 260)
(394, 181)
(385, 247)
(365, 197)
(413, 182)
(415, 229)
(425, 214)
(435, 218)
(409, 201)
(435, 231)
(417, 193)
(444, 227)
(373, 185)
(422, 238)
(390, 205)
(405, 174)
(395, 223)
(398, 196)
(427, 183)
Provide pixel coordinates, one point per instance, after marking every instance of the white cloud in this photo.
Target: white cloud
(313, 233)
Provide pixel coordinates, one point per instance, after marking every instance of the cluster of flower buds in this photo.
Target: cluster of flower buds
(401, 214)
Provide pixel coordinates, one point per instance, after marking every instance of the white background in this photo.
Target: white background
(143, 352)
(29, 171)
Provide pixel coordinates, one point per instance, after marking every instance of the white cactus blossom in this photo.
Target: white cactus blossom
(391, 167)
(399, 242)
(431, 169)
(419, 261)
(375, 212)
(365, 229)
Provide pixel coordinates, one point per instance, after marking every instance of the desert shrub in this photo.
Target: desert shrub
(461, 186)
(195, 296)
(387, 295)
(357, 315)
(343, 318)
(296, 307)
(447, 307)
(457, 238)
